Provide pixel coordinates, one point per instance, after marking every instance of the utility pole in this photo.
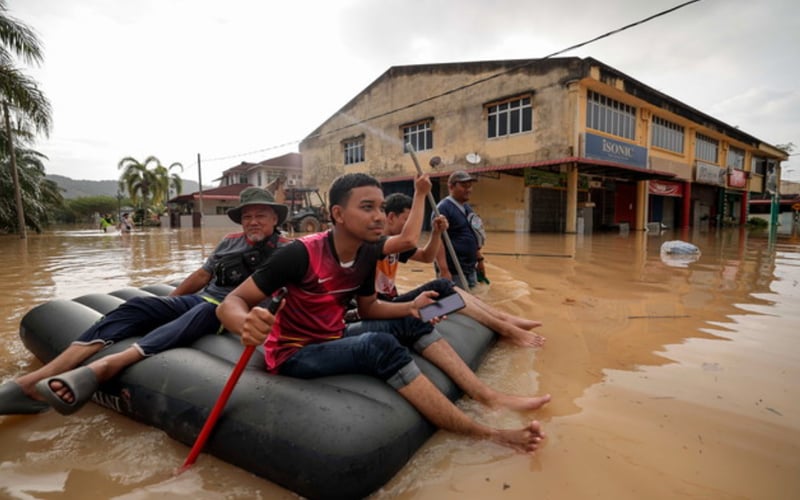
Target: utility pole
(200, 190)
(773, 188)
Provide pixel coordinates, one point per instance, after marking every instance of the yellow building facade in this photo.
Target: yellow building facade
(559, 145)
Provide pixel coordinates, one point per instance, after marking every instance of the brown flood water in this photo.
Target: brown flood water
(666, 381)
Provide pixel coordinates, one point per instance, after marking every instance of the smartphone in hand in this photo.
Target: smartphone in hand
(442, 307)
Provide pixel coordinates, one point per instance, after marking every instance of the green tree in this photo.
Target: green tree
(40, 198)
(167, 182)
(138, 180)
(85, 207)
(22, 102)
(148, 183)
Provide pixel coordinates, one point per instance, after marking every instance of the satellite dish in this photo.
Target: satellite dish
(473, 158)
(435, 162)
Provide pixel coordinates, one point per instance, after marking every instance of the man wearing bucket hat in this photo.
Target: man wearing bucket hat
(166, 322)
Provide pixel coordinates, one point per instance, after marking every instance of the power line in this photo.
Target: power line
(468, 85)
(239, 155)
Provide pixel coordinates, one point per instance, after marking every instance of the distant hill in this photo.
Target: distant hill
(79, 188)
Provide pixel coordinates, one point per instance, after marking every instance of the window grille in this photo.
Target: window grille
(610, 116)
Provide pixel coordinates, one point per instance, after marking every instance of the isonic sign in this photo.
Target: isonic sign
(604, 148)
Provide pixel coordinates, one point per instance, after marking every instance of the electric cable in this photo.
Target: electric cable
(461, 87)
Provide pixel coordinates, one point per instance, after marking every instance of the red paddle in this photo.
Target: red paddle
(226, 391)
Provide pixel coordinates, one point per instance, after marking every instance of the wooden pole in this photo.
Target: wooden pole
(447, 243)
(200, 189)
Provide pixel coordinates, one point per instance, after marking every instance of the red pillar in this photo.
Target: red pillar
(744, 208)
(687, 204)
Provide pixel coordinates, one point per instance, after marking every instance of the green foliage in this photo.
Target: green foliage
(41, 198)
(757, 222)
(24, 108)
(148, 183)
(85, 208)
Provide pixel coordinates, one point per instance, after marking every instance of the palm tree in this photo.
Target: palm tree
(168, 182)
(138, 180)
(19, 94)
(40, 198)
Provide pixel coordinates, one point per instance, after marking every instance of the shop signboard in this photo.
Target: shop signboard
(665, 188)
(708, 173)
(604, 148)
(737, 178)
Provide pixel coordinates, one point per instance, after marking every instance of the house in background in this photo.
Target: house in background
(559, 145)
(185, 210)
(208, 208)
(288, 167)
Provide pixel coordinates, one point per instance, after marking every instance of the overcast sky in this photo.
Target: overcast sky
(246, 80)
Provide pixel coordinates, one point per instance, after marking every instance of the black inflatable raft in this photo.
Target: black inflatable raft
(333, 437)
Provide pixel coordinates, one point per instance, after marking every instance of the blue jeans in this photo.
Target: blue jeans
(442, 286)
(379, 348)
(470, 274)
(164, 322)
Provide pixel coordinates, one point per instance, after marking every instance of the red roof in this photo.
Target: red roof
(287, 160)
(230, 192)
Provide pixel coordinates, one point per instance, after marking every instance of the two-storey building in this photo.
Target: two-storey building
(559, 145)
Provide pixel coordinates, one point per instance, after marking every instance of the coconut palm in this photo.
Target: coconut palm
(168, 182)
(138, 180)
(19, 94)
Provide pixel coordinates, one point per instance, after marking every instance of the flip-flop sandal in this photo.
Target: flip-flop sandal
(14, 401)
(82, 382)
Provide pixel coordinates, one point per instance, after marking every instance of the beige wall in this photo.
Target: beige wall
(459, 125)
(501, 201)
(682, 170)
(208, 221)
(459, 128)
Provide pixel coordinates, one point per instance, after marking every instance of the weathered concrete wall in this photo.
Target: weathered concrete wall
(459, 125)
(456, 98)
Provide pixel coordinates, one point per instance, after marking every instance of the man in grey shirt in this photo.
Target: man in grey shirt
(179, 319)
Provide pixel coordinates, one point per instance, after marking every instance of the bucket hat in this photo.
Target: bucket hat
(257, 196)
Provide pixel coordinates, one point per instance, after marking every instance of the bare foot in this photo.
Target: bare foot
(62, 391)
(520, 337)
(525, 440)
(526, 339)
(519, 403)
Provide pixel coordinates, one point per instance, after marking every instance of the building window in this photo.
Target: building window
(667, 135)
(735, 158)
(610, 116)
(354, 151)
(512, 116)
(419, 135)
(706, 149)
(758, 165)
